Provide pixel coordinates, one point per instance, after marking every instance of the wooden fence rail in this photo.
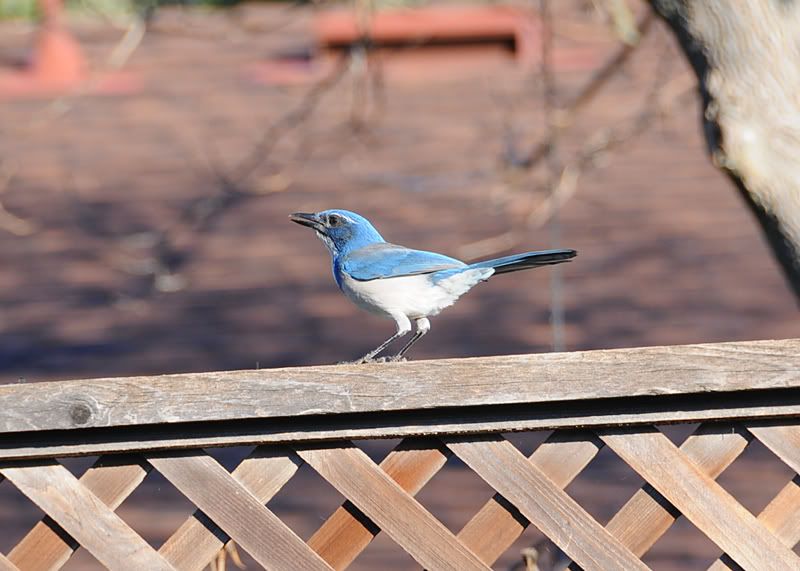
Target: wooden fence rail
(738, 392)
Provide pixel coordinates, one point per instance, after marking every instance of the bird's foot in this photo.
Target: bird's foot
(355, 362)
(365, 361)
(391, 359)
(362, 361)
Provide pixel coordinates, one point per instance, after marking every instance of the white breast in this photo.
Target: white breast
(414, 296)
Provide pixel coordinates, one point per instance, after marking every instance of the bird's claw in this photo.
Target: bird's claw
(363, 361)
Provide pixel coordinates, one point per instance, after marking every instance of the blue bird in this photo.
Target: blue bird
(400, 283)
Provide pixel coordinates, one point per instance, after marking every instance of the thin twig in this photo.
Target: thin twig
(604, 141)
(280, 128)
(565, 118)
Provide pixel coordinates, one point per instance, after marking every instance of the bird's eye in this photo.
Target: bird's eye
(334, 220)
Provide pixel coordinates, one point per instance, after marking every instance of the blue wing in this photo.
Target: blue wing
(383, 260)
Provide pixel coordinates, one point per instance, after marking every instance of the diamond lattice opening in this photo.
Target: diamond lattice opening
(682, 547)
(455, 494)
(230, 456)
(82, 560)
(534, 543)
(756, 463)
(605, 485)
(377, 450)
(527, 442)
(18, 515)
(305, 502)
(383, 553)
(155, 509)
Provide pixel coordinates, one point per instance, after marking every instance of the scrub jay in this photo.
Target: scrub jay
(400, 283)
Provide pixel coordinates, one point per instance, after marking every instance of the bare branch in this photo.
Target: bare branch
(565, 118)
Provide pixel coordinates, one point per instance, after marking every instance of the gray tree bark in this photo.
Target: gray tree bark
(746, 54)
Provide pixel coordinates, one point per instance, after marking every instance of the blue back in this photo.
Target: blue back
(361, 252)
(383, 260)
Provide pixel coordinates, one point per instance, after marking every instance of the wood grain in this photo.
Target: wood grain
(739, 405)
(84, 516)
(47, 546)
(648, 515)
(704, 502)
(781, 516)
(348, 531)
(235, 510)
(546, 505)
(421, 385)
(498, 524)
(399, 515)
(264, 472)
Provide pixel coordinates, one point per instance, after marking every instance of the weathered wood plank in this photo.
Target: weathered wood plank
(546, 505)
(347, 532)
(47, 546)
(234, 509)
(520, 379)
(648, 515)
(380, 498)
(482, 419)
(781, 516)
(498, 524)
(704, 502)
(84, 516)
(264, 472)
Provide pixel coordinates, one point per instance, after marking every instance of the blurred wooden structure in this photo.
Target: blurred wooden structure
(737, 391)
(508, 27)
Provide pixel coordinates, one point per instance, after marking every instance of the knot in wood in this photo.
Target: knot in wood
(80, 413)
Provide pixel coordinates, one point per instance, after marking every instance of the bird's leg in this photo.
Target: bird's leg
(403, 328)
(423, 326)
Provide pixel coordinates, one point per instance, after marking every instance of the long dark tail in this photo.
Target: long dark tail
(527, 260)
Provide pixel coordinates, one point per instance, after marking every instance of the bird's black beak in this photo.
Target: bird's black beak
(307, 219)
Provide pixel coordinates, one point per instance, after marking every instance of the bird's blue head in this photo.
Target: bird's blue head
(342, 231)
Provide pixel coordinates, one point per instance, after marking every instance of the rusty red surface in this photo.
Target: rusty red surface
(427, 43)
(427, 23)
(433, 24)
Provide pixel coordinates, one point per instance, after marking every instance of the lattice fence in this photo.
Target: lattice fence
(758, 380)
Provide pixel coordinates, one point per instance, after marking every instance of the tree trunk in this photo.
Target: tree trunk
(746, 54)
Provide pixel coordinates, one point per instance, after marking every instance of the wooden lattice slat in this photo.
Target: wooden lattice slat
(498, 524)
(398, 514)
(781, 516)
(546, 505)
(243, 517)
(264, 472)
(648, 515)
(85, 517)
(707, 505)
(47, 547)
(348, 531)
